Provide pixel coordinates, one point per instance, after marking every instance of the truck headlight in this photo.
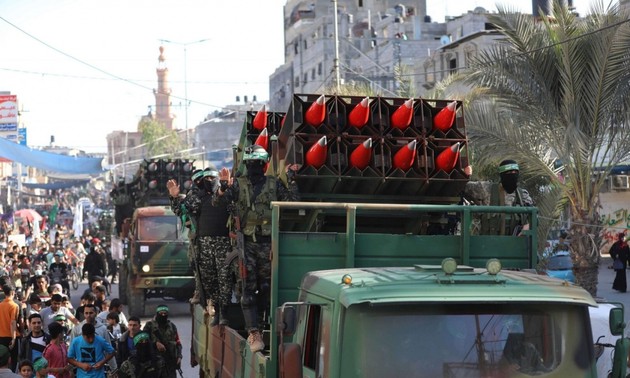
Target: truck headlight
(146, 268)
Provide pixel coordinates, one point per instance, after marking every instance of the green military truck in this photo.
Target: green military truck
(398, 283)
(155, 261)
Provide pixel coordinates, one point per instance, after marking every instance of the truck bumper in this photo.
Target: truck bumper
(164, 282)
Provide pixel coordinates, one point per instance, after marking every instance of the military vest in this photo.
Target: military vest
(255, 210)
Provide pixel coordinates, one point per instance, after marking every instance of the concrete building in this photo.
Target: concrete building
(375, 37)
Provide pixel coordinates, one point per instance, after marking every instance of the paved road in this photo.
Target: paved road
(179, 313)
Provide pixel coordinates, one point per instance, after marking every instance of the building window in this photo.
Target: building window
(319, 69)
(452, 65)
(313, 74)
(305, 44)
(296, 48)
(305, 78)
(297, 82)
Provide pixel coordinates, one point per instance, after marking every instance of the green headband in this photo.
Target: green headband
(508, 167)
(197, 175)
(40, 363)
(211, 172)
(161, 308)
(142, 336)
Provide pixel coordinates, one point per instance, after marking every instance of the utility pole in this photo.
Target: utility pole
(336, 60)
(185, 45)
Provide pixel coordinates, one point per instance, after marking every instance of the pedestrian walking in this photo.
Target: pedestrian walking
(620, 253)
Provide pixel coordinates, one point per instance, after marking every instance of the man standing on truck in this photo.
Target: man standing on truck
(183, 207)
(212, 241)
(123, 197)
(252, 195)
(166, 340)
(213, 245)
(507, 193)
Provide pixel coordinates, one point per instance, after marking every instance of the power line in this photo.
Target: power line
(70, 76)
(107, 73)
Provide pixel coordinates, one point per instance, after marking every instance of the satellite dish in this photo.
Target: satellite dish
(445, 39)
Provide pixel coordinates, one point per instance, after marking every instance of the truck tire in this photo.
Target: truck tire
(122, 284)
(135, 300)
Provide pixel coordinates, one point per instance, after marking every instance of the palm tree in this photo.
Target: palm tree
(556, 90)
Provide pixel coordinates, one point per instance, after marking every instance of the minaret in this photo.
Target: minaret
(163, 94)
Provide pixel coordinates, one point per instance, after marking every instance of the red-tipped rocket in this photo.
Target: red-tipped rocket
(260, 119)
(263, 139)
(405, 156)
(316, 113)
(401, 118)
(447, 159)
(284, 117)
(360, 157)
(316, 155)
(359, 116)
(445, 117)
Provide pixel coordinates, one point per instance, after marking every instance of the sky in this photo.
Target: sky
(82, 69)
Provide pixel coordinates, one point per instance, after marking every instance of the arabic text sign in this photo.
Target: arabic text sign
(8, 109)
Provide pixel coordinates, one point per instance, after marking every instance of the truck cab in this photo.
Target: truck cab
(155, 259)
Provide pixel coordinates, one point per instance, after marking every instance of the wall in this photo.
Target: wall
(615, 215)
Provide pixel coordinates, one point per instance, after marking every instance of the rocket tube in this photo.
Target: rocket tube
(360, 157)
(360, 114)
(447, 159)
(260, 119)
(401, 118)
(405, 156)
(316, 113)
(445, 117)
(316, 155)
(263, 139)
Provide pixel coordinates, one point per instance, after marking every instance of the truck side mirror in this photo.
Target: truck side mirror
(615, 321)
(286, 316)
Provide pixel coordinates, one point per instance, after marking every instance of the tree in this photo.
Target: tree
(556, 92)
(159, 139)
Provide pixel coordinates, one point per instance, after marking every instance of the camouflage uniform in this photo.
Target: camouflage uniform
(168, 336)
(132, 368)
(254, 211)
(183, 207)
(507, 224)
(216, 279)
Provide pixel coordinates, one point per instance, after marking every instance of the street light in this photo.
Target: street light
(185, 44)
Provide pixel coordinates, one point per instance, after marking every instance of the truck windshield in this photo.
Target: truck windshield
(446, 340)
(159, 228)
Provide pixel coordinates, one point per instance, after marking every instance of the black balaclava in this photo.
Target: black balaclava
(509, 182)
(161, 319)
(143, 351)
(211, 186)
(255, 170)
(509, 178)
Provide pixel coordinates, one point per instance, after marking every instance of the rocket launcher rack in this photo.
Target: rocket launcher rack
(405, 143)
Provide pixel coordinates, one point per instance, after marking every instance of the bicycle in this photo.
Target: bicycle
(73, 277)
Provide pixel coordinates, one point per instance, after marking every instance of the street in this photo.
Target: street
(179, 313)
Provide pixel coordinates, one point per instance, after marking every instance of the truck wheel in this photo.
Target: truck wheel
(135, 301)
(122, 284)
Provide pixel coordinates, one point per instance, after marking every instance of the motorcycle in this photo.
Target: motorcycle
(74, 277)
(63, 281)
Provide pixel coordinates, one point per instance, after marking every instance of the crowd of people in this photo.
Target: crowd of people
(42, 335)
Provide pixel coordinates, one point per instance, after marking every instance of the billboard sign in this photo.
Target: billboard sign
(8, 110)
